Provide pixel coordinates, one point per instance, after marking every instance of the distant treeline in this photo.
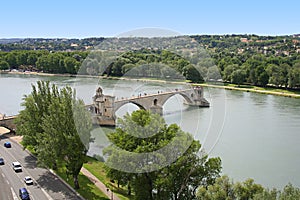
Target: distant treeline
(45, 61)
(250, 59)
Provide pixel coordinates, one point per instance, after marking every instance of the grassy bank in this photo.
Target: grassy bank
(97, 169)
(88, 189)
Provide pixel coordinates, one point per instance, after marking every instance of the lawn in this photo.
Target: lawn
(97, 169)
(87, 190)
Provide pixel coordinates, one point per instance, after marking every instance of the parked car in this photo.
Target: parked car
(1, 161)
(28, 180)
(7, 144)
(23, 193)
(17, 166)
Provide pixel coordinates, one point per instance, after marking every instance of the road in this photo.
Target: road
(46, 185)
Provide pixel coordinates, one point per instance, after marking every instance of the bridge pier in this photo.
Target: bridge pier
(157, 109)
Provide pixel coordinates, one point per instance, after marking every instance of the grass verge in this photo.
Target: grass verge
(97, 169)
(87, 190)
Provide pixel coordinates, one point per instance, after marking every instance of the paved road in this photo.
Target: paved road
(46, 185)
(5, 189)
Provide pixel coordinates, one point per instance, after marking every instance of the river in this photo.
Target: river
(256, 135)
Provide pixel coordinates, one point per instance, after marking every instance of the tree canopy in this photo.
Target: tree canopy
(57, 126)
(172, 174)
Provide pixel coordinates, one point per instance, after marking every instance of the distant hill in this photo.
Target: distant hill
(12, 40)
(285, 44)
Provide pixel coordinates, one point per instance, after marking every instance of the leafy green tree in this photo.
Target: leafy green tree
(262, 76)
(238, 77)
(57, 126)
(4, 65)
(225, 189)
(11, 59)
(222, 189)
(274, 74)
(294, 76)
(32, 58)
(21, 58)
(289, 193)
(71, 139)
(266, 194)
(71, 65)
(284, 70)
(29, 122)
(127, 67)
(228, 71)
(175, 180)
(247, 189)
(192, 74)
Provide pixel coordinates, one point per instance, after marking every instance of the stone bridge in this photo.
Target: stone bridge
(105, 106)
(8, 122)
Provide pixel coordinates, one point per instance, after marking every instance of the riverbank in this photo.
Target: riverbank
(269, 91)
(244, 88)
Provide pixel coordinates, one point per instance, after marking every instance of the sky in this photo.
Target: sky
(109, 18)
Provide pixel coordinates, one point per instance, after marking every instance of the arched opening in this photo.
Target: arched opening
(174, 104)
(155, 102)
(127, 108)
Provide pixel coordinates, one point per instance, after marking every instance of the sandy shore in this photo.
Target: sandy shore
(286, 94)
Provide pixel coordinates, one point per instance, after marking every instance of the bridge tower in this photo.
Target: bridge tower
(198, 98)
(103, 109)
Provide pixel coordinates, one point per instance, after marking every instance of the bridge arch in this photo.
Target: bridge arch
(119, 105)
(185, 96)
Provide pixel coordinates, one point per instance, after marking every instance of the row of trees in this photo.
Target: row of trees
(57, 62)
(56, 126)
(260, 70)
(255, 69)
(249, 66)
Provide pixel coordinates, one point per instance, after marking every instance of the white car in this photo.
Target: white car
(17, 166)
(28, 180)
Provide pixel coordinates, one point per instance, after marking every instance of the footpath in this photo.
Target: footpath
(89, 175)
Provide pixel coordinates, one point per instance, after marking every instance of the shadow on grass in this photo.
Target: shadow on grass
(87, 189)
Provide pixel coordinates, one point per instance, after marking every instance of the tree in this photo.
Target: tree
(192, 74)
(262, 76)
(238, 77)
(225, 189)
(221, 189)
(284, 70)
(228, 71)
(70, 65)
(4, 65)
(57, 125)
(247, 189)
(157, 176)
(294, 76)
(11, 59)
(289, 193)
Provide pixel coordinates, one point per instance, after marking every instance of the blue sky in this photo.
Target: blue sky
(95, 18)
